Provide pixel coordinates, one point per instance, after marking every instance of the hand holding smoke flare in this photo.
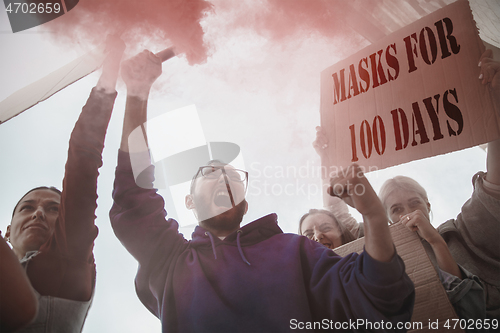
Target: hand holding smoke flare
(166, 54)
(176, 22)
(141, 71)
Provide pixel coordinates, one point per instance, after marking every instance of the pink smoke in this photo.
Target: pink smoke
(177, 22)
(169, 22)
(280, 20)
(285, 18)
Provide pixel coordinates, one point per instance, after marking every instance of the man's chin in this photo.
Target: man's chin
(214, 210)
(227, 219)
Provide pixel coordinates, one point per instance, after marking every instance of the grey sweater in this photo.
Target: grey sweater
(474, 241)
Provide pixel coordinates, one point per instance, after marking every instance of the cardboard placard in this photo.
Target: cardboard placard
(432, 310)
(413, 94)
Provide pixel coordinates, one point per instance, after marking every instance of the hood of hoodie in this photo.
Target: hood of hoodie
(252, 233)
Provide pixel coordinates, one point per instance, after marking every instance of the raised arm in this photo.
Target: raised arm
(111, 66)
(356, 190)
(490, 76)
(417, 221)
(493, 163)
(139, 74)
(79, 195)
(334, 204)
(73, 240)
(320, 145)
(138, 212)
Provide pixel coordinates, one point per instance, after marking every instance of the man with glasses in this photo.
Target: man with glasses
(253, 278)
(217, 197)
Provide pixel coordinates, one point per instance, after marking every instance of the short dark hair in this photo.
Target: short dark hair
(346, 235)
(51, 188)
(211, 162)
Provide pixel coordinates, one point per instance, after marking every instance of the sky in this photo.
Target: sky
(256, 87)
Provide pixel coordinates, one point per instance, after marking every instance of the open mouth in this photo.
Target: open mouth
(222, 199)
(328, 245)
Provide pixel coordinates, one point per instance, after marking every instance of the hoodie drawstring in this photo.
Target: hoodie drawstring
(212, 241)
(237, 242)
(240, 249)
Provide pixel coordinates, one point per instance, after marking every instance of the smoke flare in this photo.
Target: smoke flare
(172, 22)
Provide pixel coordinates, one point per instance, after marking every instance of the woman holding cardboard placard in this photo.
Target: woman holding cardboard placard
(466, 249)
(470, 240)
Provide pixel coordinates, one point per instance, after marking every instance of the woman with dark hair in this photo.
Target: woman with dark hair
(52, 233)
(332, 226)
(25, 237)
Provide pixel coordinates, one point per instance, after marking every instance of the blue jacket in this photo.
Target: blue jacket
(257, 279)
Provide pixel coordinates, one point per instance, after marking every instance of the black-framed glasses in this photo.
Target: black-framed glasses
(215, 171)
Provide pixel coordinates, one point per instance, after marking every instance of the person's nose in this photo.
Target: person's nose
(39, 213)
(223, 178)
(317, 236)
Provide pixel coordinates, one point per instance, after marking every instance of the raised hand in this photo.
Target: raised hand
(353, 187)
(490, 75)
(140, 72)
(111, 66)
(417, 221)
(321, 141)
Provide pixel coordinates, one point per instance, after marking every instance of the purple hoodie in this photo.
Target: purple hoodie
(257, 279)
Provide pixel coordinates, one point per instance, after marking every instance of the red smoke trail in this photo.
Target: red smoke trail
(168, 22)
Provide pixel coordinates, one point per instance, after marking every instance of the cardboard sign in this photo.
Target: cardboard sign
(52, 83)
(433, 311)
(412, 95)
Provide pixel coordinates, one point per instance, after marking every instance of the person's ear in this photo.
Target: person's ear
(428, 207)
(189, 202)
(7, 233)
(246, 207)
